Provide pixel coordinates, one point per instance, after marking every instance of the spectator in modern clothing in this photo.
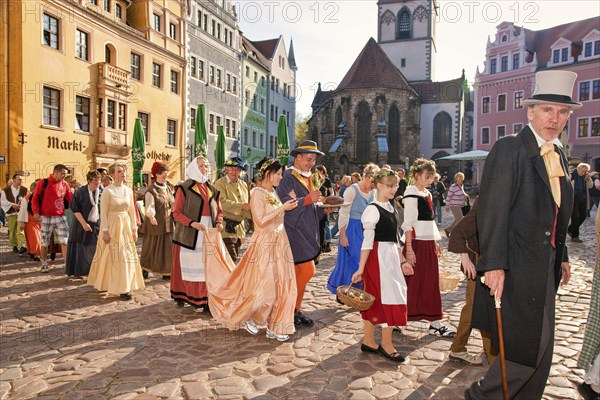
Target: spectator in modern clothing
(48, 204)
(581, 182)
(437, 190)
(456, 200)
(10, 201)
(594, 192)
(355, 177)
(326, 190)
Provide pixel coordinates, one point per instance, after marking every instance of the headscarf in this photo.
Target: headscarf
(193, 172)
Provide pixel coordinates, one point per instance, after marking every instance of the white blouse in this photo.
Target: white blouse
(369, 219)
(424, 230)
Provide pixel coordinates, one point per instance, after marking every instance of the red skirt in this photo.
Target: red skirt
(194, 293)
(424, 298)
(390, 314)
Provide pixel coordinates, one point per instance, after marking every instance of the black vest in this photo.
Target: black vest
(385, 230)
(425, 210)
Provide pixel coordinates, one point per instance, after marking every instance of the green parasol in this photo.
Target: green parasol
(138, 153)
(200, 138)
(220, 149)
(283, 141)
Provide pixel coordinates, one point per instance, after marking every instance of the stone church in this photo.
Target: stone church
(387, 109)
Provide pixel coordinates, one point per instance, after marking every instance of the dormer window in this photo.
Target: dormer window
(504, 38)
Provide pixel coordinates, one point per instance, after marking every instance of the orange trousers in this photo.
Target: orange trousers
(304, 272)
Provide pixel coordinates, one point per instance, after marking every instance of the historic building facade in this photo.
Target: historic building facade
(373, 116)
(411, 115)
(255, 94)
(214, 65)
(512, 59)
(79, 73)
(281, 83)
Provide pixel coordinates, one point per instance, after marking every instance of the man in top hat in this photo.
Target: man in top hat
(236, 207)
(523, 212)
(302, 223)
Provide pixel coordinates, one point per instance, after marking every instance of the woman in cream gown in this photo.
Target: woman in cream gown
(261, 290)
(116, 267)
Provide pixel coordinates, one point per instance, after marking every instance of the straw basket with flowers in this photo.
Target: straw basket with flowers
(355, 298)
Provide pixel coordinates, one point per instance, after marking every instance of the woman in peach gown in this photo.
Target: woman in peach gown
(261, 290)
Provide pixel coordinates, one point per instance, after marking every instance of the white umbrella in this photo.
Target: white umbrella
(473, 155)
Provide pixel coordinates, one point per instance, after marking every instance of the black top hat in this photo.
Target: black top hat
(306, 146)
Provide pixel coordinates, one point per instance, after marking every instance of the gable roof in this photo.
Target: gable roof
(267, 47)
(253, 52)
(373, 68)
(540, 41)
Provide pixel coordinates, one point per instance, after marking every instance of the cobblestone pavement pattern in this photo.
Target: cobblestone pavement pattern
(60, 339)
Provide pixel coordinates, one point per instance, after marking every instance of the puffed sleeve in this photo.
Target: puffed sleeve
(344, 214)
(23, 215)
(369, 219)
(411, 210)
(262, 214)
(104, 204)
(149, 204)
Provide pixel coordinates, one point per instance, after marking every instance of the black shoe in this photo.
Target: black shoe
(368, 349)
(52, 256)
(22, 250)
(397, 330)
(395, 356)
(180, 303)
(166, 278)
(126, 296)
(15, 249)
(587, 392)
(36, 259)
(145, 274)
(301, 319)
(206, 309)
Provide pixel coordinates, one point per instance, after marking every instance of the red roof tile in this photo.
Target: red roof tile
(373, 68)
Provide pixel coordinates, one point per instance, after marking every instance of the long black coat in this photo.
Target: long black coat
(515, 218)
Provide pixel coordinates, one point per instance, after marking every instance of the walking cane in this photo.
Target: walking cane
(501, 347)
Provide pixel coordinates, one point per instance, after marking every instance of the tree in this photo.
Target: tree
(301, 128)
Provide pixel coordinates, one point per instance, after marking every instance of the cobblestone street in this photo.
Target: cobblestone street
(60, 339)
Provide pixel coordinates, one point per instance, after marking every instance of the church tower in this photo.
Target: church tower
(406, 32)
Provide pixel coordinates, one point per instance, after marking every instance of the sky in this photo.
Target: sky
(329, 35)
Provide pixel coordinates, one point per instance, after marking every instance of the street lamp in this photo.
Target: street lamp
(248, 152)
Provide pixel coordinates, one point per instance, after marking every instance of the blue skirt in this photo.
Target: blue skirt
(348, 257)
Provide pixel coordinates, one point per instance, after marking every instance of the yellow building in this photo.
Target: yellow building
(76, 75)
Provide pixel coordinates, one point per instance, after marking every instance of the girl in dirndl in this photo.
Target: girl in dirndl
(421, 250)
(381, 269)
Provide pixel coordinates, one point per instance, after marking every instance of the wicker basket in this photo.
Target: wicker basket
(448, 280)
(355, 298)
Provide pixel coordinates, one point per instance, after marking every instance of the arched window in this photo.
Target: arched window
(394, 133)
(338, 120)
(363, 132)
(110, 54)
(404, 24)
(442, 130)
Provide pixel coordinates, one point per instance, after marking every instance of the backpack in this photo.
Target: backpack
(29, 207)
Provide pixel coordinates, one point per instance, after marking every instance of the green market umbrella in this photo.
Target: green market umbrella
(283, 141)
(220, 149)
(200, 138)
(138, 153)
